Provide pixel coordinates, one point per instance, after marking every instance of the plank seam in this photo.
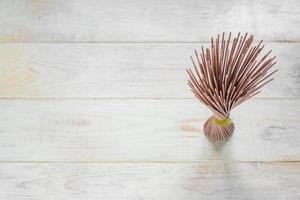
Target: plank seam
(134, 42)
(151, 162)
(136, 98)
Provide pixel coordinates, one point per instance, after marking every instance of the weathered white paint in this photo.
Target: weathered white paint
(98, 109)
(207, 181)
(120, 70)
(144, 21)
(144, 130)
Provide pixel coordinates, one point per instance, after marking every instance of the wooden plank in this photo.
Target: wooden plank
(134, 20)
(144, 130)
(120, 71)
(209, 181)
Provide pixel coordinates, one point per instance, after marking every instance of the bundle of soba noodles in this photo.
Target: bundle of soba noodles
(226, 75)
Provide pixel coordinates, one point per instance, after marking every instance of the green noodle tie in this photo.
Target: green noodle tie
(223, 122)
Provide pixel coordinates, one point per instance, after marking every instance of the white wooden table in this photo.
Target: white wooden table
(94, 102)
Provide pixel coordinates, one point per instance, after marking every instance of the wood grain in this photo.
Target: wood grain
(208, 181)
(146, 21)
(94, 102)
(120, 70)
(144, 131)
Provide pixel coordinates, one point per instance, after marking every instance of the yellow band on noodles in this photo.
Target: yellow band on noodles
(223, 122)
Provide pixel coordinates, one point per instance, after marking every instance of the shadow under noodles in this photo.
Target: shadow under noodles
(218, 144)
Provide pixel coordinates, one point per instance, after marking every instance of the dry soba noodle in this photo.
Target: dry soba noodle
(225, 76)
